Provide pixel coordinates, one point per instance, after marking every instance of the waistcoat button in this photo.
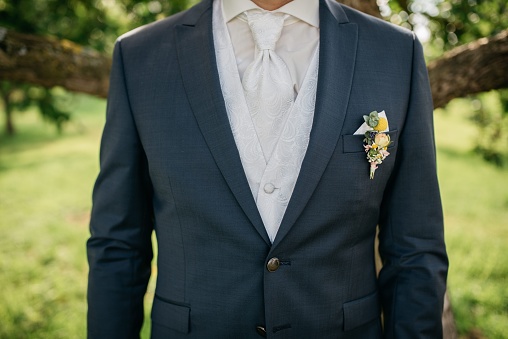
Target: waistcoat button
(269, 188)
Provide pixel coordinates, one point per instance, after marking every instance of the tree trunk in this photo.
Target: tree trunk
(9, 124)
(449, 328)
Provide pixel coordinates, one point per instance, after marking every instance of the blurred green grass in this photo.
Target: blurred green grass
(46, 182)
(475, 203)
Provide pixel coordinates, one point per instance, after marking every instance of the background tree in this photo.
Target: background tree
(79, 20)
(91, 23)
(447, 24)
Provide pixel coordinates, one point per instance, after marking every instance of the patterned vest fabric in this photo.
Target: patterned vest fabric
(272, 180)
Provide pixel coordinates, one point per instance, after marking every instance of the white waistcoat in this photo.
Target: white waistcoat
(272, 182)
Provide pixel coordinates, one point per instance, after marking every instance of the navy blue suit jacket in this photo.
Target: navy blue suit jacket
(169, 163)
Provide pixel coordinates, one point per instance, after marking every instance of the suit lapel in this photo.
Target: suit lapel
(201, 81)
(338, 43)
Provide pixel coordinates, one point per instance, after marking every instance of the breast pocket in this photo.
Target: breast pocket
(354, 143)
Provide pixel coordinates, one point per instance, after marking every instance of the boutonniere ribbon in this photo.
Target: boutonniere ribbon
(376, 141)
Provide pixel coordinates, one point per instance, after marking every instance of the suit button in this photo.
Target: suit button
(273, 264)
(269, 188)
(261, 331)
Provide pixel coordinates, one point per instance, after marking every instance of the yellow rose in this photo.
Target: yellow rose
(382, 140)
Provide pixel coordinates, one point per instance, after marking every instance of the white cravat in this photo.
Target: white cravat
(267, 82)
(298, 41)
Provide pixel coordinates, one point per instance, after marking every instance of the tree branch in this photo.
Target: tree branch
(479, 66)
(49, 62)
(476, 67)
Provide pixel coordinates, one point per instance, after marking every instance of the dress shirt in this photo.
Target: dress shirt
(297, 43)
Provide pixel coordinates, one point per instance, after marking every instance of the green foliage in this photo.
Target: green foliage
(490, 114)
(448, 23)
(18, 100)
(50, 108)
(81, 21)
(49, 102)
(93, 23)
(462, 21)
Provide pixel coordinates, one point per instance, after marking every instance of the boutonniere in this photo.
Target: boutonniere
(376, 141)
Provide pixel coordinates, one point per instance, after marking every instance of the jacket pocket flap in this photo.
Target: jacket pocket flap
(354, 143)
(361, 311)
(171, 315)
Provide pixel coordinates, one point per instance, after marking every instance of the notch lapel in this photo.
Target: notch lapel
(196, 56)
(338, 44)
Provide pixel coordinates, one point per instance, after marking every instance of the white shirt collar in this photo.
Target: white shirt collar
(305, 10)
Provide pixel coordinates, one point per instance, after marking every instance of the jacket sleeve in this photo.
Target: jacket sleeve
(119, 249)
(413, 278)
